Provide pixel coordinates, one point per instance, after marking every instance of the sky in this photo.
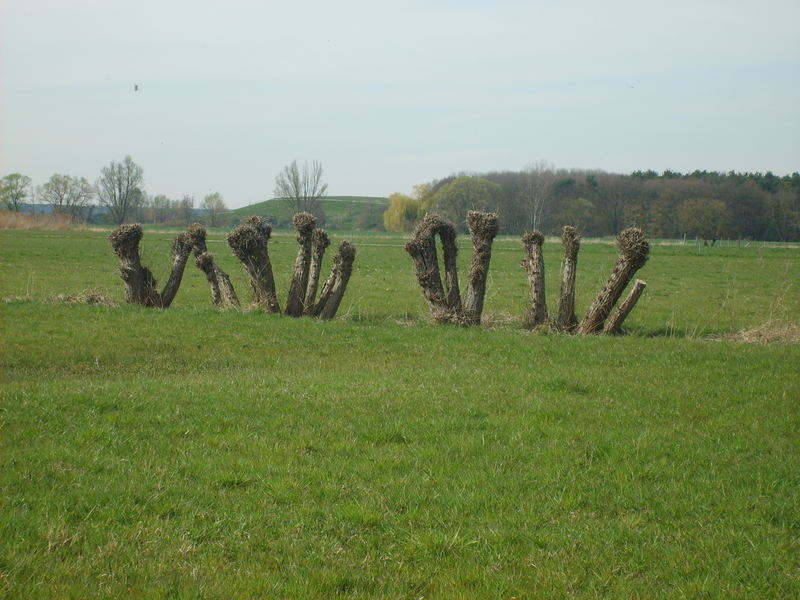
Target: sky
(387, 95)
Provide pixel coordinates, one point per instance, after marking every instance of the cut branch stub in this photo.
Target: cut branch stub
(305, 224)
(483, 228)
(320, 242)
(614, 324)
(534, 265)
(335, 286)
(445, 306)
(140, 285)
(249, 243)
(566, 319)
(633, 253)
(223, 294)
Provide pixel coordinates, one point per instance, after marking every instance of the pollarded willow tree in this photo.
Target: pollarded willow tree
(444, 297)
(249, 243)
(140, 284)
(633, 253)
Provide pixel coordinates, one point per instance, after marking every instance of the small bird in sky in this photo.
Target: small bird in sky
(135, 87)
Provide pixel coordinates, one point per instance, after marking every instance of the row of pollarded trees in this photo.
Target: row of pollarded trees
(444, 296)
(249, 243)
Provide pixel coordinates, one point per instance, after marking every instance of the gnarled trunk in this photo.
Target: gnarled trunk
(249, 243)
(304, 223)
(223, 295)
(445, 306)
(534, 265)
(571, 239)
(483, 228)
(633, 253)
(140, 285)
(320, 242)
(614, 324)
(334, 288)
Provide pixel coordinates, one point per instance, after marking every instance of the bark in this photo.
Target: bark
(614, 324)
(483, 227)
(445, 306)
(320, 243)
(305, 224)
(566, 319)
(534, 265)
(249, 243)
(223, 295)
(140, 285)
(181, 248)
(633, 254)
(335, 286)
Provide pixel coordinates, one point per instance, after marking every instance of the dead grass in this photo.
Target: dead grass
(771, 332)
(91, 296)
(54, 222)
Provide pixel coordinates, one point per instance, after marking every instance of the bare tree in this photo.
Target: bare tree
(303, 189)
(214, 207)
(538, 181)
(67, 194)
(119, 188)
(14, 189)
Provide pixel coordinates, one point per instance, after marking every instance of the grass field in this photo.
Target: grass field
(192, 453)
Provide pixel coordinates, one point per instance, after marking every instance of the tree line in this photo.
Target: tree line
(119, 190)
(706, 204)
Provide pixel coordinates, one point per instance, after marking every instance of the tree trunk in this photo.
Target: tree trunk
(335, 286)
(444, 307)
(614, 324)
(223, 294)
(320, 243)
(249, 243)
(304, 223)
(181, 248)
(140, 285)
(483, 228)
(534, 265)
(571, 239)
(633, 253)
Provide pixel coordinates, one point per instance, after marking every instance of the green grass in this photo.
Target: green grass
(197, 453)
(347, 213)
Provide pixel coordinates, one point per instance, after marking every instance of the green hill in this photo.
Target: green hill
(339, 212)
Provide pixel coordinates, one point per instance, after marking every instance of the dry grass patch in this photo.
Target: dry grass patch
(16, 220)
(770, 332)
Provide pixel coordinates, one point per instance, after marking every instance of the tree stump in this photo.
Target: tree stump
(320, 242)
(305, 224)
(334, 288)
(633, 253)
(444, 299)
(223, 294)
(566, 319)
(614, 324)
(140, 285)
(533, 263)
(483, 228)
(249, 243)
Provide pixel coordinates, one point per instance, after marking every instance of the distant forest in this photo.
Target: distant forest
(709, 205)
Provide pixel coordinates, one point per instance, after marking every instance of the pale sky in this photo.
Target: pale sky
(390, 94)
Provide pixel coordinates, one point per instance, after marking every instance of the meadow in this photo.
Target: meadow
(194, 453)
